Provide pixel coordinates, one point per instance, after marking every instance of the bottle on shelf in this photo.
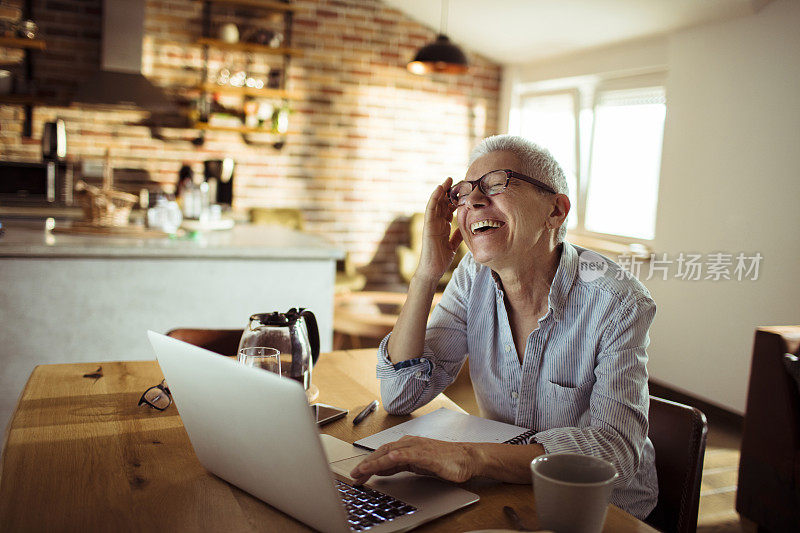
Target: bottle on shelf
(280, 119)
(264, 115)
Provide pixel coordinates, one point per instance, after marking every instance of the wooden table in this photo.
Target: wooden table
(81, 456)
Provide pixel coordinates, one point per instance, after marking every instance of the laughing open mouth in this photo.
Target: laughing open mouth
(485, 225)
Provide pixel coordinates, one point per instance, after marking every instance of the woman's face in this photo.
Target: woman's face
(517, 216)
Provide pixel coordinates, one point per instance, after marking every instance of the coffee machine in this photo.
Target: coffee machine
(219, 175)
(45, 183)
(54, 141)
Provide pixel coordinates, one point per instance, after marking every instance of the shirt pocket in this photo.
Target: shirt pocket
(566, 405)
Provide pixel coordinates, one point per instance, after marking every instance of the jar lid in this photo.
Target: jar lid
(278, 319)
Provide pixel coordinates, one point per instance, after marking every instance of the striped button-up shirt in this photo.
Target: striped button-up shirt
(582, 384)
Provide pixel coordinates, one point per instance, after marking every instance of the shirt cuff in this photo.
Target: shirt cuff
(419, 367)
(556, 440)
(407, 363)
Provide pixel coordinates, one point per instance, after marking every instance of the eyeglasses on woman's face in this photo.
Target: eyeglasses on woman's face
(490, 184)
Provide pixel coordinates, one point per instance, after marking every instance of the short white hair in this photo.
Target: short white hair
(537, 162)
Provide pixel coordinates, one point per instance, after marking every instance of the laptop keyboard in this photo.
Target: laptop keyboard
(367, 508)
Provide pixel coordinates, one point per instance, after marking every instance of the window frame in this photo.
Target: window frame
(586, 93)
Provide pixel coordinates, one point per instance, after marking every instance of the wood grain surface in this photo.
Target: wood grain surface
(80, 455)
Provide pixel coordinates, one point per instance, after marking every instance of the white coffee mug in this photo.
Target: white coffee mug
(572, 491)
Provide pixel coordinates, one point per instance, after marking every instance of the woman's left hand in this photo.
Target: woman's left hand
(452, 461)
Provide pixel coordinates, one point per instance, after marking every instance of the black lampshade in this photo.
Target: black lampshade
(439, 56)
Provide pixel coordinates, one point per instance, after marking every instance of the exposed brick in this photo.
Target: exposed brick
(324, 13)
(361, 125)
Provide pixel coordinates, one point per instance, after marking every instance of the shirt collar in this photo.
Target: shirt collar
(564, 278)
(562, 281)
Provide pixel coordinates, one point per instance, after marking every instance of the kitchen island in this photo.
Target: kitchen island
(68, 298)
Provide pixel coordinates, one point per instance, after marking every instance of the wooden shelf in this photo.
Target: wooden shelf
(247, 91)
(234, 129)
(265, 4)
(15, 42)
(21, 99)
(250, 47)
(27, 101)
(286, 52)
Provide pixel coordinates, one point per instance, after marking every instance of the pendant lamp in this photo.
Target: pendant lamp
(441, 55)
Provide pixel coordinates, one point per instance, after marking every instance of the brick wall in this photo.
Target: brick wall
(367, 140)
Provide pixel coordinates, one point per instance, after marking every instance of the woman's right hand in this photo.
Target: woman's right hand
(438, 247)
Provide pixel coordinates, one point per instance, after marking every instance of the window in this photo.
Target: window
(607, 137)
(551, 121)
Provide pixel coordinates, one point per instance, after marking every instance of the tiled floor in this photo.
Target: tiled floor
(718, 487)
(718, 492)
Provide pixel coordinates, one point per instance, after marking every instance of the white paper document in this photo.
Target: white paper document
(452, 426)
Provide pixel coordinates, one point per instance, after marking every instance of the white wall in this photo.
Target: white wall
(730, 182)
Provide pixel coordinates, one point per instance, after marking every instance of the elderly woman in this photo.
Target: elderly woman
(549, 349)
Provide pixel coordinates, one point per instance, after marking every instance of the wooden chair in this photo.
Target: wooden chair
(221, 341)
(408, 256)
(678, 433)
(362, 319)
(768, 492)
(278, 216)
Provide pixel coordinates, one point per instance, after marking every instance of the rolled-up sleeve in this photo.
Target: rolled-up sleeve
(619, 401)
(411, 384)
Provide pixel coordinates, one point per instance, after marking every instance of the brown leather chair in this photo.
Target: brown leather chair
(768, 492)
(678, 433)
(221, 341)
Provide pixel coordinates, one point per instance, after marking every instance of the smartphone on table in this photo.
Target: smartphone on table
(327, 413)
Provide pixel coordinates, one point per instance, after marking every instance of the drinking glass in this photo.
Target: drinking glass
(261, 357)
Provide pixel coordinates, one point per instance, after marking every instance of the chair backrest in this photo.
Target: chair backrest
(678, 433)
(221, 341)
(280, 216)
(408, 256)
(769, 470)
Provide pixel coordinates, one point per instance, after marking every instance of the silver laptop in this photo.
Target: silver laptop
(255, 430)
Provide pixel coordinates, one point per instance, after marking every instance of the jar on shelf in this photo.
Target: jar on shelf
(274, 78)
(229, 33)
(264, 114)
(251, 114)
(27, 29)
(280, 119)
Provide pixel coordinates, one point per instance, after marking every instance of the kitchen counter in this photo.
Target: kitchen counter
(244, 241)
(40, 212)
(70, 298)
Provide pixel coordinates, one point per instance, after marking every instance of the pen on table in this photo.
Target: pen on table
(365, 412)
(514, 517)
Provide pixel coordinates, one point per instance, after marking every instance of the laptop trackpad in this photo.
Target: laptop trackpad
(343, 467)
(338, 450)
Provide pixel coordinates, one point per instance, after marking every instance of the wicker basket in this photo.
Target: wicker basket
(105, 207)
